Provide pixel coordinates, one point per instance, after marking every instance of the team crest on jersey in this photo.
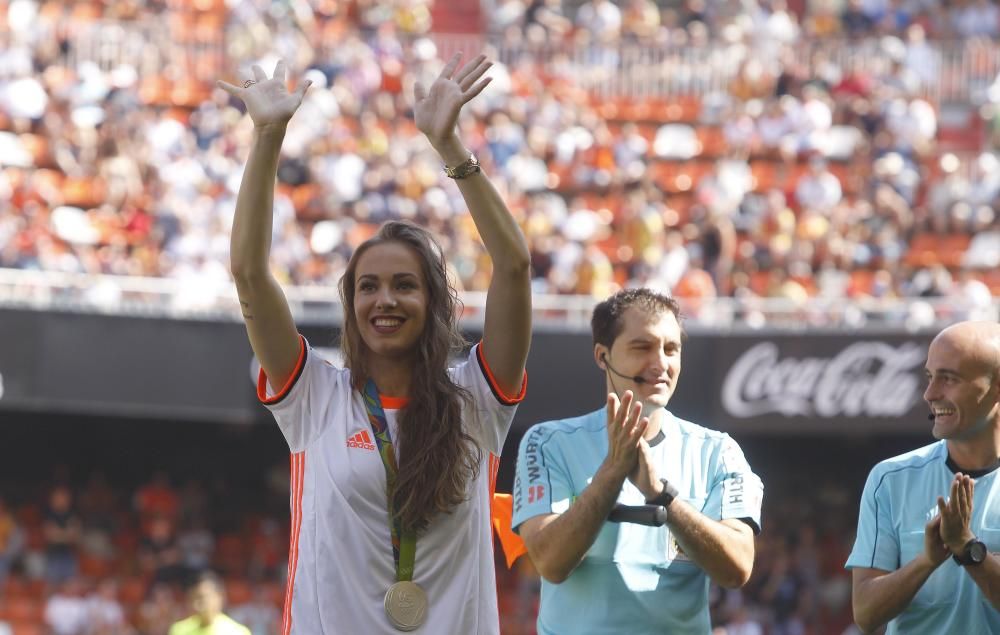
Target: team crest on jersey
(675, 551)
(361, 441)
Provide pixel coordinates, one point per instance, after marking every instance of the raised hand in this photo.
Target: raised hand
(956, 514)
(625, 430)
(268, 101)
(436, 109)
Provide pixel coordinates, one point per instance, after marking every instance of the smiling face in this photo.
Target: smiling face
(963, 387)
(649, 346)
(390, 299)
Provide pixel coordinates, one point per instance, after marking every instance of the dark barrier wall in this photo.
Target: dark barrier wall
(796, 384)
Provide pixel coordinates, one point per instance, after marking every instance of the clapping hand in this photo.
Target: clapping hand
(956, 513)
(626, 425)
(268, 101)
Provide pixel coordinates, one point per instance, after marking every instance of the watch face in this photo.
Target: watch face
(977, 551)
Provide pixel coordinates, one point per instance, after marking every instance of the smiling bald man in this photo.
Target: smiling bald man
(925, 559)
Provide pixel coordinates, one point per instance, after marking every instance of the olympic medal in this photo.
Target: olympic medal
(406, 605)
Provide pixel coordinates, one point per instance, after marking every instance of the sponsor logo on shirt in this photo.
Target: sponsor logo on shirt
(535, 492)
(676, 552)
(361, 440)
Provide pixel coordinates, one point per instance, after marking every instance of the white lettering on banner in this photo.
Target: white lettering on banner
(866, 379)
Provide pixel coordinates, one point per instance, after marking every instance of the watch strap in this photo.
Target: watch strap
(664, 498)
(463, 169)
(965, 558)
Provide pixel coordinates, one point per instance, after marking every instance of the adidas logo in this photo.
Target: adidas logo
(361, 440)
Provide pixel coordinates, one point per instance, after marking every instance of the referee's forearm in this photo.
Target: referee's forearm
(558, 547)
(724, 553)
(987, 578)
(880, 597)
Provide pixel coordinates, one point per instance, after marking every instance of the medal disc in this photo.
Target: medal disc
(406, 605)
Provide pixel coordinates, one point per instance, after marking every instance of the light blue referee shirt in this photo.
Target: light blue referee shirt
(634, 579)
(899, 499)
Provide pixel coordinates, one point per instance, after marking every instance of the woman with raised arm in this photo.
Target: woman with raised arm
(393, 456)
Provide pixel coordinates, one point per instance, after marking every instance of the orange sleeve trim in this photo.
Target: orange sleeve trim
(393, 403)
(502, 512)
(296, 372)
(498, 392)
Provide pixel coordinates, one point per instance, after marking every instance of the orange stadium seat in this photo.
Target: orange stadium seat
(86, 12)
(928, 249)
(713, 141)
(94, 567)
(676, 109)
(189, 93)
(38, 147)
(860, 282)
(14, 586)
(83, 192)
(238, 591)
(26, 627)
(24, 608)
(679, 108)
(991, 278)
(132, 590)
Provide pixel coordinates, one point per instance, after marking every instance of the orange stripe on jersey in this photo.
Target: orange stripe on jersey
(393, 403)
(494, 468)
(498, 392)
(298, 461)
(262, 378)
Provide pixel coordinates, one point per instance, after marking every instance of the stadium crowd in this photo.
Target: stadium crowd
(95, 556)
(807, 172)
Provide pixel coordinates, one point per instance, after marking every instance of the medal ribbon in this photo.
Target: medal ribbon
(404, 544)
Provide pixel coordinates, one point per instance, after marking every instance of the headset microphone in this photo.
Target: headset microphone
(636, 378)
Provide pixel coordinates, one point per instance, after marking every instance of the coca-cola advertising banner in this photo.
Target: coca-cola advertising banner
(783, 383)
(815, 383)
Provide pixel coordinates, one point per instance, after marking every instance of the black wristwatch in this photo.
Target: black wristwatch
(664, 498)
(973, 553)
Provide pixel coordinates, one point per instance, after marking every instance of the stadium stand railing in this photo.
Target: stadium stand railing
(171, 297)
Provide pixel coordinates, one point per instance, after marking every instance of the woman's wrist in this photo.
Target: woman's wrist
(270, 129)
(452, 151)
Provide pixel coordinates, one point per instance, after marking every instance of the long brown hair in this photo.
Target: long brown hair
(438, 458)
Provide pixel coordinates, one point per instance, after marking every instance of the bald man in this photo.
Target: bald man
(924, 558)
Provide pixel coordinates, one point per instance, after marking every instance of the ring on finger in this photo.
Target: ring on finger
(249, 83)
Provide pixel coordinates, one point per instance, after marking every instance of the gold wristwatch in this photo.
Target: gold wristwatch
(463, 169)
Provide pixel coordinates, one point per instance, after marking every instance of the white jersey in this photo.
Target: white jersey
(340, 560)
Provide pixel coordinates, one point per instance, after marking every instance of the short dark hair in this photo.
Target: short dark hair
(207, 575)
(606, 322)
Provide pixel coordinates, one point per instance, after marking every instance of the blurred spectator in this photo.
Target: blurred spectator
(818, 189)
(62, 535)
(159, 611)
(11, 540)
(159, 554)
(206, 597)
(157, 498)
(105, 615)
(67, 611)
(258, 613)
